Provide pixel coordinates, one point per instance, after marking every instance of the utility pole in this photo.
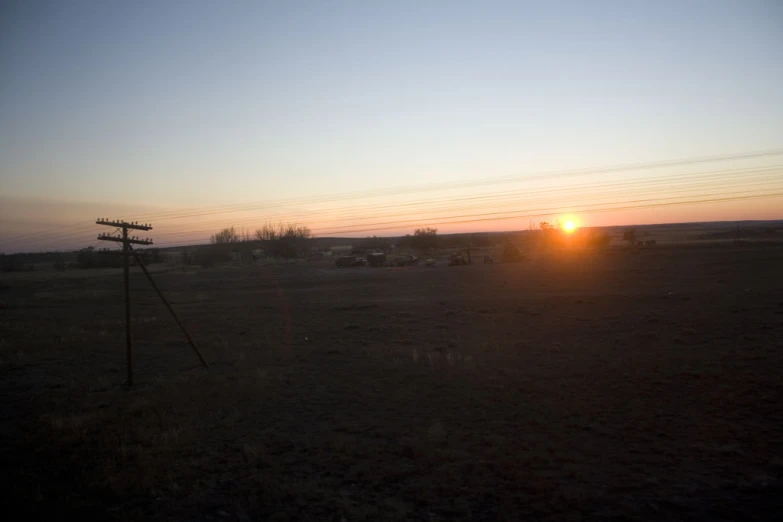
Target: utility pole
(126, 252)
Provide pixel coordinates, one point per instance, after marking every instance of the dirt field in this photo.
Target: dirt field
(608, 386)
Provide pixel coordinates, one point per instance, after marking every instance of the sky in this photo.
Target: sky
(148, 107)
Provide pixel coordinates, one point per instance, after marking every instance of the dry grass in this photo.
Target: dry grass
(501, 392)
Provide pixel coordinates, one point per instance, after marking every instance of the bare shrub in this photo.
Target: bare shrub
(424, 238)
(283, 240)
(227, 235)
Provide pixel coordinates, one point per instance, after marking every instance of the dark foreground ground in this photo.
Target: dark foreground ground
(571, 387)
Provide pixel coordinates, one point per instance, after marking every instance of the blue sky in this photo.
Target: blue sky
(192, 103)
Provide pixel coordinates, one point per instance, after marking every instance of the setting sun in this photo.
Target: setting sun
(569, 226)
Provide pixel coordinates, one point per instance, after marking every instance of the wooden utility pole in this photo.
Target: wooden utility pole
(126, 282)
(126, 252)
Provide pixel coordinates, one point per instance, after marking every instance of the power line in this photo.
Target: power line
(49, 231)
(447, 185)
(554, 207)
(616, 189)
(198, 212)
(530, 213)
(546, 210)
(447, 204)
(576, 211)
(562, 192)
(77, 229)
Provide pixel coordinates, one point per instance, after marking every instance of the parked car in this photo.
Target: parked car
(376, 259)
(407, 260)
(345, 261)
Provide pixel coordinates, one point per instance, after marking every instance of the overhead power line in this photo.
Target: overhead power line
(575, 211)
(545, 211)
(425, 215)
(526, 214)
(429, 187)
(366, 211)
(602, 191)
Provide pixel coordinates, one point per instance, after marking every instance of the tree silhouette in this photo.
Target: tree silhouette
(271, 231)
(283, 239)
(225, 236)
(425, 237)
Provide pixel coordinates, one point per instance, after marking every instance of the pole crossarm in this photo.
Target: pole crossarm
(123, 224)
(120, 239)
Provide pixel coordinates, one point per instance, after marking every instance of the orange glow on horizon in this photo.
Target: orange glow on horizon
(569, 225)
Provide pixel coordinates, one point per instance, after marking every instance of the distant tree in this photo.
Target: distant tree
(266, 232)
(271, 231)
(284, 240)
(425, 237)
(549, 232)
(630, 235)
(85, 258)
(91, 258)
(227, 235)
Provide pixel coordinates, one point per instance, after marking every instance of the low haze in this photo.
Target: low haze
(138, 108)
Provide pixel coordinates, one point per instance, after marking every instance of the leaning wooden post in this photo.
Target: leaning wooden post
(173, 314)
